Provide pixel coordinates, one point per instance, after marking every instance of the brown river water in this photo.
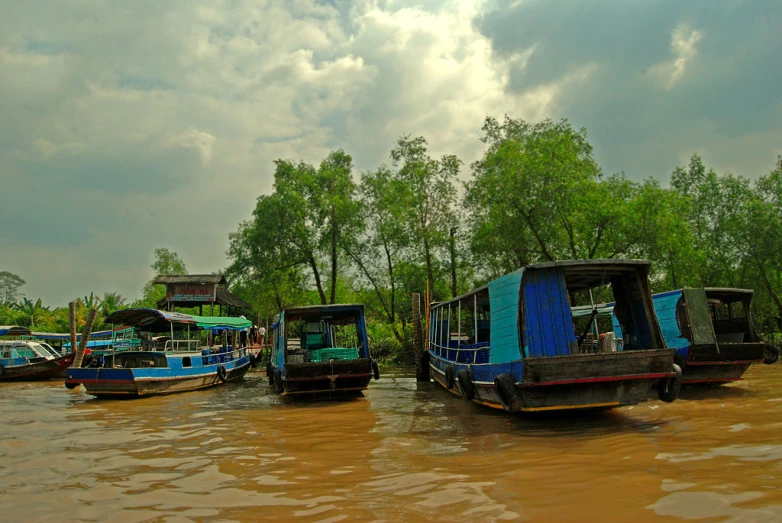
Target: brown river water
(403, 452)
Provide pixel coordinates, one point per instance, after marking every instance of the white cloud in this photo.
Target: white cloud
(684, 41)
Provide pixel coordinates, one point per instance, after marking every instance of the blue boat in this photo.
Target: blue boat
(179, 365)
(320, 350)
(711, 331)
(517, 343)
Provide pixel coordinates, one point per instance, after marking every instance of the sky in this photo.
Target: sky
(128, 126)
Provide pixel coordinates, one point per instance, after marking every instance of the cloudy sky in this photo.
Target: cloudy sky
(128, 126)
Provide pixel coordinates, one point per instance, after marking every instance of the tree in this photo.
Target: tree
(311, 215)
(9, 287)
(538, 193)
(34, 314)
(427, 195)
(111, 302)
(166, 262)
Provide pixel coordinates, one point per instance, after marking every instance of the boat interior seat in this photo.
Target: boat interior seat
(315, 340)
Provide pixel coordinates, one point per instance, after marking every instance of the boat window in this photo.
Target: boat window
(186, 362)
(23, 351)
(738, 309)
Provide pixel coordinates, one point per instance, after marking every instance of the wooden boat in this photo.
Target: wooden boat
(320, 350)
(711, 331)
(179, 365)
(26, 360)
(515, 344)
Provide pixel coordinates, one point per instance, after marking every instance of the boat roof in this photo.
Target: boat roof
(67, 337)
(325, 309)
(13, 330)
(154, 320)
(580, 274)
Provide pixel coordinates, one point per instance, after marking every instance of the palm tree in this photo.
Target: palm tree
(35, 313)
(111, 302)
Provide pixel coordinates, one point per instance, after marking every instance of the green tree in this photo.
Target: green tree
(427, 195)
(538, 193)
(34, 314)
(111, 302)
(9, 287)
(166, 262)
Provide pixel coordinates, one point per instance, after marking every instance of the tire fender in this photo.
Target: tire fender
(668, 388)
(505, 386)
(449, 377)
(278, 385)
(770, 355)
(222, 373)
(375, 370)
(465, 383)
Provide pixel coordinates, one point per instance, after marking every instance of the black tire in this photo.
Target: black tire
(506, 392)
(253, 360)
(465, 383)
(770, 355)
(278, 386)
(269, 373)
(222, 373)
(375, 370)
(71, 386)
(668, 388)
(449, 377)
(678, 360)
(87, 361)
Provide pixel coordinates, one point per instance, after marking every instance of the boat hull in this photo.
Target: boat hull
(132, 383)
(329, 378)
(43, 370)
(584, 381)
(723, 364)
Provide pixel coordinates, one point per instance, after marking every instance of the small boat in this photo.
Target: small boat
(517, 344)
(320, 350)
(179, 364)
(26, 360)
(711, 331)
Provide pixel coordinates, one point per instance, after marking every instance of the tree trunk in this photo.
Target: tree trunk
(318, 283)
(428, 257)
(453, 263)
(333, 262)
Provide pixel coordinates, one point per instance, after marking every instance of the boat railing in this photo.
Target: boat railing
(462, 353)
(217, 355)
(181, 345)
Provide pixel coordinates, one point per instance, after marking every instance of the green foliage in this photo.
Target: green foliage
(9, 287)
(166, 262)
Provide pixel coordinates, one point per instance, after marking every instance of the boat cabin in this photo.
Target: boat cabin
(711, 331)
(321, 348)
(22, 352)
(540, 327)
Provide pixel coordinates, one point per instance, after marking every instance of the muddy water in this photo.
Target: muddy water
(405, 451)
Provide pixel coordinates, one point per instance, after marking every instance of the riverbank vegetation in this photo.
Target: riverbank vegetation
(329, 234)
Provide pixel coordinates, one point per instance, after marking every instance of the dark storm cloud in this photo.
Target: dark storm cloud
(730, 85)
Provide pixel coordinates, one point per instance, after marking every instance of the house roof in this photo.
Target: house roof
(167, 279)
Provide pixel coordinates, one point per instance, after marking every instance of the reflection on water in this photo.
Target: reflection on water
(404, 451)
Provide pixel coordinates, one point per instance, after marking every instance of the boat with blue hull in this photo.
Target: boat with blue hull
(711, 331)
(516, 343)
(180, 365)
(320, 350)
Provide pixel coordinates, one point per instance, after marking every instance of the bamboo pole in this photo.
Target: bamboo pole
(72, 321)
(85, 337)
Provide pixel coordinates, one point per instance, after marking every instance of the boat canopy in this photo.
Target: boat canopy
(153, 320)
(13, 330)
(66, 337)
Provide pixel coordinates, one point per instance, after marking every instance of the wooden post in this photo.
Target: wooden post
(85, 337)
(421, 356)
(72, 320)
